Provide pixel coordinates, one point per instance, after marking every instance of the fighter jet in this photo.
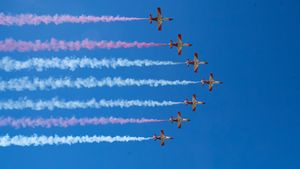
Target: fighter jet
(195, 62)
(194, 102)
(162, 138)
(210, 82)
(179, 120)
(179, 44)
(159, 19)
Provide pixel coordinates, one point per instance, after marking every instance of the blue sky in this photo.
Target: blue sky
(251, 121)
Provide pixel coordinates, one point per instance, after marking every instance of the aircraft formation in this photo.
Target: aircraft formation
(179, 44)
(195, 63)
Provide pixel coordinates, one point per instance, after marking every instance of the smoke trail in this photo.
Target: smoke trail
(24, 83)
(70, 63)
(35, 140)
(9, 45)
(67, 122)
(32, 19)
(92, 103)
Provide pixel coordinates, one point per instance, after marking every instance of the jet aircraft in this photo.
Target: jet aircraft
(194, 102)
(162, 138)
(179, 119)
(159, 19)
(179, 44)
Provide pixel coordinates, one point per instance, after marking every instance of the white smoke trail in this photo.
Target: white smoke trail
(11, 45)
(35, 140)
(92, 103)
(33, 19)
(72, 63)
(68, 122)
(24, 83)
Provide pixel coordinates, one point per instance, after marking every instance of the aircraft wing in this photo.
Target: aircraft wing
(196, 57)
(159, 25)
(179, 124)
(162, 133)
(194, 106)
(179, 50)
(179, 38)
(210, 87)
(179, 47)
(178, 114)
(194, 98)
(158, 11)
(196, 65)
(211, 77)
(194, 101)
(162, 142)
(196, 62)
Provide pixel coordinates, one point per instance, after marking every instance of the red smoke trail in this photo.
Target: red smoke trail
(9, 45)
(67, 122)
(31, 19)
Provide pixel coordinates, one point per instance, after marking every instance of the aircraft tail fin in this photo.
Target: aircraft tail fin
(150, 19)
(171, 44)
(202, 82)
(171, 119)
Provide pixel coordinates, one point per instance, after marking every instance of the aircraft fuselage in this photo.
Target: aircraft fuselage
(188, 102)
(189, 62)
(210, 82)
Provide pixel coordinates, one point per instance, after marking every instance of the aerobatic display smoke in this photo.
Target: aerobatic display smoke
(32, 19)
(92, 103)
(72, 63)
(25, 83)
(26, 122)
(10, 45)
(36, 140)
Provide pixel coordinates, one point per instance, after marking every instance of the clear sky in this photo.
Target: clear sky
(251, 121)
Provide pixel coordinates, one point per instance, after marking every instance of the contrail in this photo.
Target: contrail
(25, 83)
(32, 19)
(68, 122)
(55, 103)
(36, 140)
(72, 63)
(10, 45)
